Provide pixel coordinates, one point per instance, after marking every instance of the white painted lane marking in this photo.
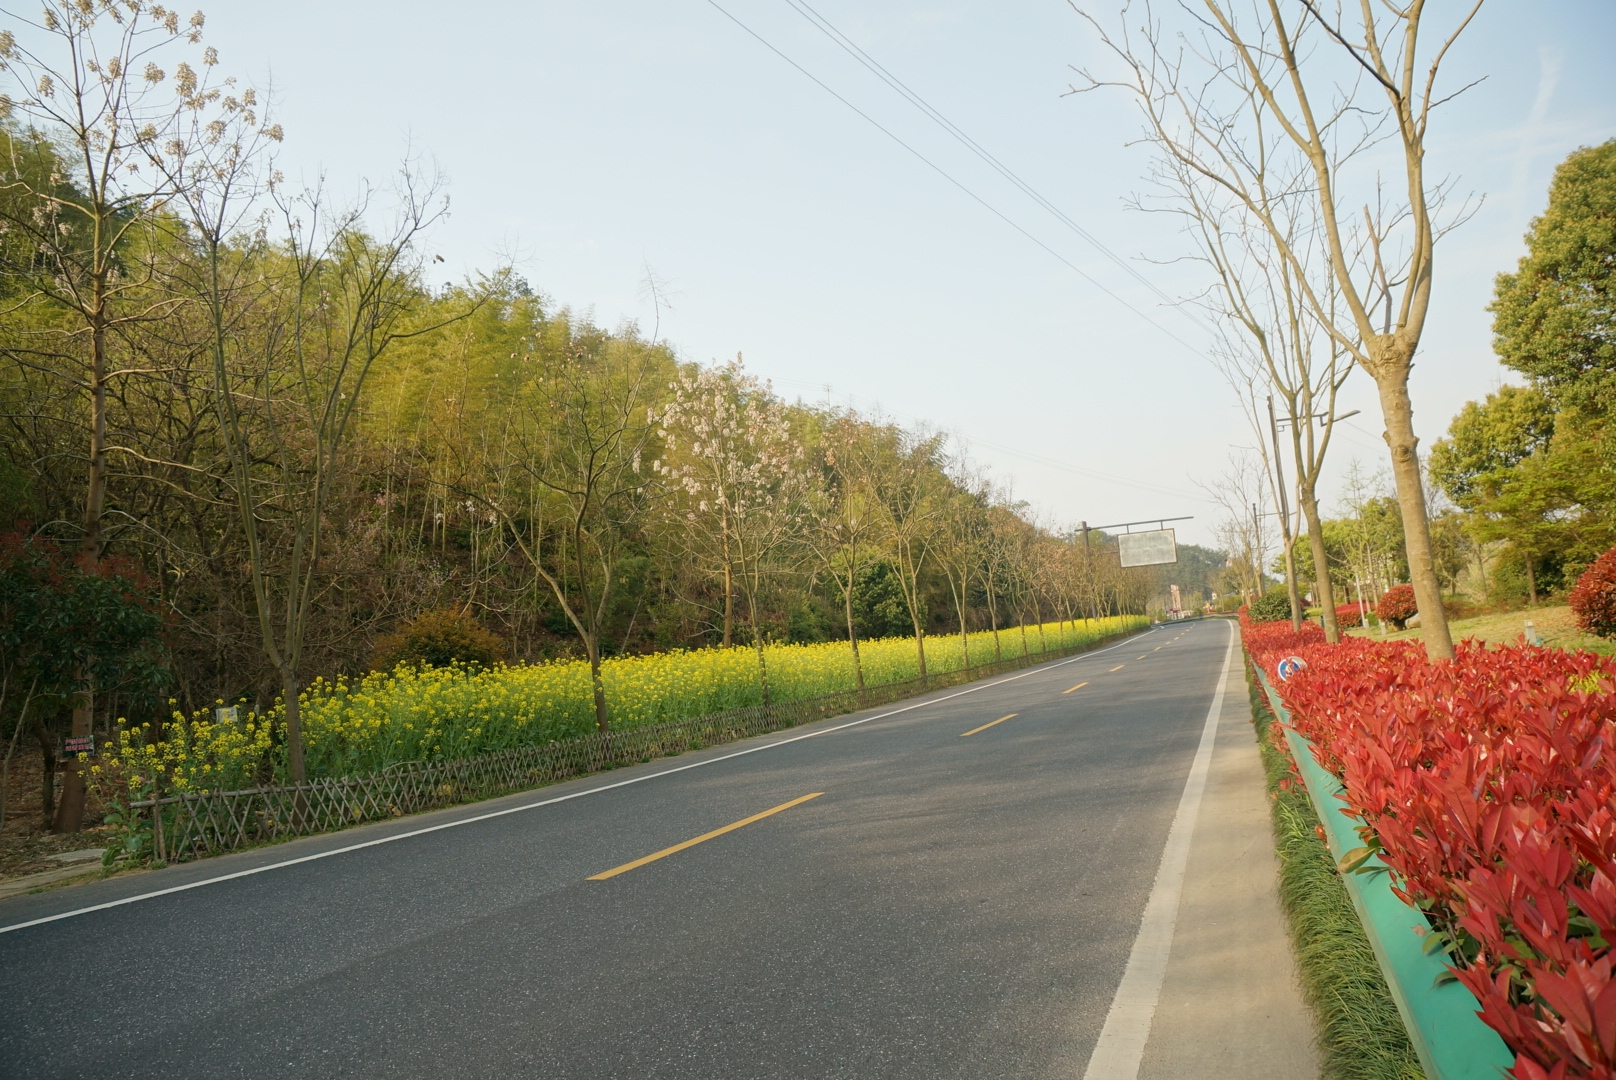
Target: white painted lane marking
(549, 802)
(1127, 1025)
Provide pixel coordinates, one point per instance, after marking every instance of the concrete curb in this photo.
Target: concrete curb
(16, 885)
(1450, 1039)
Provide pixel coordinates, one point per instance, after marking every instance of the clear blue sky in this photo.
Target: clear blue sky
(589, 141)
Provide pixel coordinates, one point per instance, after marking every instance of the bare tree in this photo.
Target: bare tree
(846, 519)
(961, 540)
(906, 484)
(1267, 83)
(1242, 530)
(1370, 534)
(85, 183)
(1013, 543)
(577, 472)
(289, 379)
(1269, 338)
(998, 567)
(83, 189)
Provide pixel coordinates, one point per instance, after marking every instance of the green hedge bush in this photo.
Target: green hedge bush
(1271, 607)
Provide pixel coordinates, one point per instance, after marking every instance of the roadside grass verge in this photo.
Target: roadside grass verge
(1555, 623)
(1360, 1032)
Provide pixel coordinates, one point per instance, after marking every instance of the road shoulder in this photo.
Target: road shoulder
(1231, 1002)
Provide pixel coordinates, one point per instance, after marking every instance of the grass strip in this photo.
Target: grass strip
(1360, 1032)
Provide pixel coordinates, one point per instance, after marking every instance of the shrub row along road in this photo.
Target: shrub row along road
(949, 887)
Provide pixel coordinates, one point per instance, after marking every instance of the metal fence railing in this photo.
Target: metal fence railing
(191, 825)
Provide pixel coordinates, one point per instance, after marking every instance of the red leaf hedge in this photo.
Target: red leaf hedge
(1488, 784)
(1397, 606)
(1593, 599)
(1277, 637)
(1348, 616)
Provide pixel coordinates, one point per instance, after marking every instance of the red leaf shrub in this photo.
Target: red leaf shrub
(1277, 637)
(1397, 606)
(1488, 784)
(1593, 599)
(1348, 615)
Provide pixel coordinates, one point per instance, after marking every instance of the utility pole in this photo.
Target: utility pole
(1256, 554)
(1285, 524)
(1088, 572)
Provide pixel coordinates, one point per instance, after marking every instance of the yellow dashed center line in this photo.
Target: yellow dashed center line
(665, 852)
(984, 727)
(1079, 686)
(1141, 656)
(1119, 667)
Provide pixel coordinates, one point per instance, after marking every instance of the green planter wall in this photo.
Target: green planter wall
(1440, 1014)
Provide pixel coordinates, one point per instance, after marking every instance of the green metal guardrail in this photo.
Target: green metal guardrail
(1440, 1014)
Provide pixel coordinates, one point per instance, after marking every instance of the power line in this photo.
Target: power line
(826, 27)
(829, 30)
(947, 176)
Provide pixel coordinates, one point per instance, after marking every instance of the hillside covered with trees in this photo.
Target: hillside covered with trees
(241, 427)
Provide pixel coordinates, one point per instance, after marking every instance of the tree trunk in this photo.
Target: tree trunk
(69, 817)
(96, 489)
(294, 756)
(729, 583)
(5, 774)
(1291, 587)
(1398, 412)
(909, 582)
(1531, 585)
(852, 635)
(1323, 589)
(729, 606)
(757, 643)
(47, 787)
(959, 609)
(763, 668)
(993, 616)
(597, 683)
(965, 640)
(295, 767)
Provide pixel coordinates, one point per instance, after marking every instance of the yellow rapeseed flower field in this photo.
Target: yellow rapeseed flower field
(386, 718)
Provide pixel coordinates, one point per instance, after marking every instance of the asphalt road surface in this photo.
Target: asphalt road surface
(958, 898)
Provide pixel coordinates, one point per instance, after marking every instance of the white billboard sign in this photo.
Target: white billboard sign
(1148, 548)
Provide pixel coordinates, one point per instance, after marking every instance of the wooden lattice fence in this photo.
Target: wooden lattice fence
(192, 825)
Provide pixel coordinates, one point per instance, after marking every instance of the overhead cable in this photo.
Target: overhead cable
(826, 27)
(940, 171)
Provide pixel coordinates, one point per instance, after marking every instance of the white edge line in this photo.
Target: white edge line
(1121, 1045)
(544, 802)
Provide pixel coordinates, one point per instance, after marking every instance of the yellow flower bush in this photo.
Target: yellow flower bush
(421, 714)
